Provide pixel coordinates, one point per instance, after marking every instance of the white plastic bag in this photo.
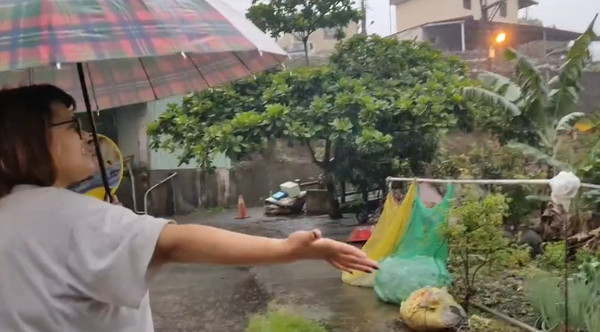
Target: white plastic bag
(564, 188)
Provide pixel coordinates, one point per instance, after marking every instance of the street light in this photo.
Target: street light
(500, 37)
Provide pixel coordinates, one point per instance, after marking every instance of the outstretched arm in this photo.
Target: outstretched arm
(196, 243)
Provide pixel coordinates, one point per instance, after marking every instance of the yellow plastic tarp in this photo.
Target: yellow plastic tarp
(388, 232)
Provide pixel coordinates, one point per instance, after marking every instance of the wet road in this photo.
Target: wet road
(215, 298)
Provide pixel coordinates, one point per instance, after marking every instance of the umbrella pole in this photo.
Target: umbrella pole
(88, 109)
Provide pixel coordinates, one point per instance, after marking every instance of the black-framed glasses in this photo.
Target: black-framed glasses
(75, 122)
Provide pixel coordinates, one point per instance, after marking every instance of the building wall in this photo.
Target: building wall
(414, 13)
(415, 34)
(322, 42)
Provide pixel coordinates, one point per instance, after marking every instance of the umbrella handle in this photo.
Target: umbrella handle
(88, 109)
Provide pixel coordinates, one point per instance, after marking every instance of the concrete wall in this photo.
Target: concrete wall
(414, 13)
(255, 179)
(589, 100)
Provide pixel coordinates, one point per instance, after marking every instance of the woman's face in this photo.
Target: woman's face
(71, 150)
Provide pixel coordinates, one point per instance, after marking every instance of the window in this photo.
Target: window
(503, 9)
(467, 4)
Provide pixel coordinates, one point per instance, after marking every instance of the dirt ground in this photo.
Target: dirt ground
(216, 298)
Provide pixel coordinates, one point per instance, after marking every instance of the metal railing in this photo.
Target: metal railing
(154, 187)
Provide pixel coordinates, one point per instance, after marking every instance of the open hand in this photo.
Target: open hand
(311, 245)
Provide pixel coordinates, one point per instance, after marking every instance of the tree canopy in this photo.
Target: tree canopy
(358, 127)
(302, 18)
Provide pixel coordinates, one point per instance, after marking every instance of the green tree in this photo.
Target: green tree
(358, 128)
(477, 240)
(302, 18)
(542, 109)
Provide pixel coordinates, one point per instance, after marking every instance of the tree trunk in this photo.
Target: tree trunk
(305, 43)
(334, 205)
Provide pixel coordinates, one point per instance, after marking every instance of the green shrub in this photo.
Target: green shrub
(586, 255)
(489, 160)
(477, 241)
(554, 256)
(281, 321)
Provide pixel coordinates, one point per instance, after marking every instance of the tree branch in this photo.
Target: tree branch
(486, 261)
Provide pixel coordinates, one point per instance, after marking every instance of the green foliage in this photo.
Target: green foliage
(546, 107)
(359, 128)
(585, 256)
(554, 256)
(477, 240)
(302, 18)
(281, 321)
(490, 160)
(387, 58)
(546, 295)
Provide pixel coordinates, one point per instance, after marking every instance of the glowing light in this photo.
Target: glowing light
(501, 37)
(58, 66)
(183, 55)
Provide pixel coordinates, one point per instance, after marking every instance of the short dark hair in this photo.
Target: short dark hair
(25, 120)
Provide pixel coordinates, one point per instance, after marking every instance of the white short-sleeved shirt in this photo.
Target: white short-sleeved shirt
(69, 262)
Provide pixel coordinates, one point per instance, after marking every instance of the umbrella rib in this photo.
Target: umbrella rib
(89, 72)
(199, 71)
(243, 63)
(148, 77)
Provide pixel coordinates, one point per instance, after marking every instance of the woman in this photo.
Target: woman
(69, 262)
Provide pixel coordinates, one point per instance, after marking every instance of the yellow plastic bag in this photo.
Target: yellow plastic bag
(388, 232)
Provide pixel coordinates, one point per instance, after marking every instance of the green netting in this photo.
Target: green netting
(420, 259)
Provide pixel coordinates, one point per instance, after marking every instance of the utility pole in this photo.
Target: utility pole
(363, 9)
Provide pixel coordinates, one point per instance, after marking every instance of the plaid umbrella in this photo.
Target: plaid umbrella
(110, 53)
(132, 50)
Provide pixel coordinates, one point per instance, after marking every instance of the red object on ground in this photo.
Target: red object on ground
(360, 234)
(242, 211)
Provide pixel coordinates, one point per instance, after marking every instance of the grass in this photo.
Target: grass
(546, 296)
(279, 320)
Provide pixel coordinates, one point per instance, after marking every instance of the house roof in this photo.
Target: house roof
(518, 33)
(527, 3)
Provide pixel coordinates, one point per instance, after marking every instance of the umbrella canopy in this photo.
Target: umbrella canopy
(110, 53)
(131, 51)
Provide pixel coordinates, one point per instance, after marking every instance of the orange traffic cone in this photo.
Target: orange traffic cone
(242, 211)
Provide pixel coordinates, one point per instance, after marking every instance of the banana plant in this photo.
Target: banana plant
(549, 103)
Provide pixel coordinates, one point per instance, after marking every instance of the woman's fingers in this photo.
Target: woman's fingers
(359, 265)
(365, 261)
(339, 266)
